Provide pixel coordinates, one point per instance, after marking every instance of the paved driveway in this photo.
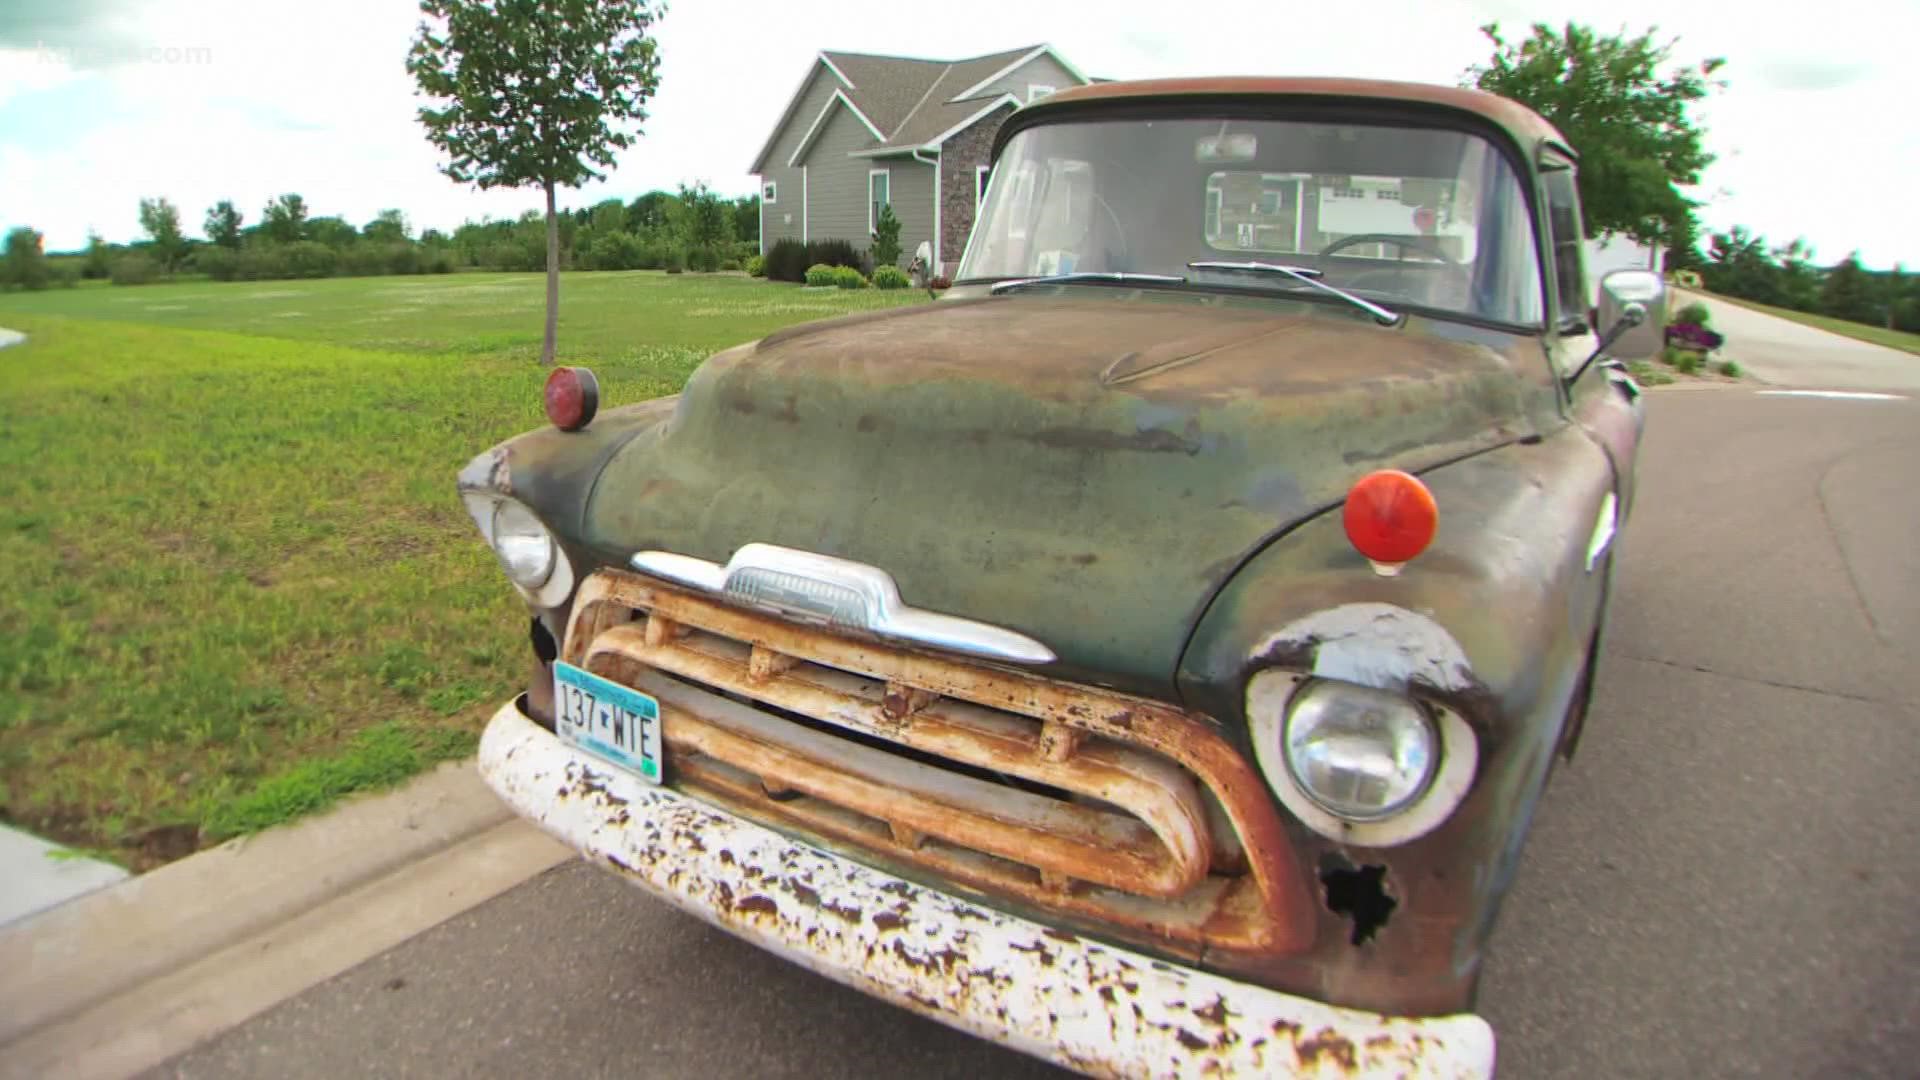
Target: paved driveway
(1786, 353)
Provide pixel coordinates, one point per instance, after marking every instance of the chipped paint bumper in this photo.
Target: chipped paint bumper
(1077, 1002)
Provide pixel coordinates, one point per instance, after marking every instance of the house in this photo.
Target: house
(865, 131)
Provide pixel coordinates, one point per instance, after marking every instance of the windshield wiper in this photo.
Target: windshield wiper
(1306, 275)
(1112, 277)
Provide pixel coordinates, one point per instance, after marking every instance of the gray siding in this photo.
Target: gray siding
(784, 219)
(836, 183)
(912, 203)
(1041, 70)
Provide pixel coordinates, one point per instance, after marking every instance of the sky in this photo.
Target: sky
(103, 102)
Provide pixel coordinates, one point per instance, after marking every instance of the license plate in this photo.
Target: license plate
(608, 720)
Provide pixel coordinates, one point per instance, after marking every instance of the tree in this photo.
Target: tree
(886, 239)
(1738, 265)
(1682, 242)
(24, 263)
(1848, 294)
(535, 94)
(388, 227)
(284, 221)
(1799, 279)
(746, 219)
(223, 224)
(703, 218)
(650, 214)
(99, 262)
(332, 231)
(1629, 123)
(160, 220)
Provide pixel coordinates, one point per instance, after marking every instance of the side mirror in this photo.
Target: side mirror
(1633, 314)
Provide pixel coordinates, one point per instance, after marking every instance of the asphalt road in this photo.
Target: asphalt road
(1722, 884)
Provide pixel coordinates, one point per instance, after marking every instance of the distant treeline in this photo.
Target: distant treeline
(1741, 265)
(692, 228)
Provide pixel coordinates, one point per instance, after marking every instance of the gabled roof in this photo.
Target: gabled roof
(912, 103)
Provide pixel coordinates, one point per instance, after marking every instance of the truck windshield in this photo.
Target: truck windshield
(1414, 216)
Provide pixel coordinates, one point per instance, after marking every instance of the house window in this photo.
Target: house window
(1036, 91)
(1569, 249)
(769, 192)
(879, 194)
(980, 175)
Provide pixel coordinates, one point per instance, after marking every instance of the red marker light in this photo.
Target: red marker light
(1390, 517)
(573, 396)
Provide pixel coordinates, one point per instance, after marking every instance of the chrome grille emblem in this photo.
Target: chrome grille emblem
(838, 592)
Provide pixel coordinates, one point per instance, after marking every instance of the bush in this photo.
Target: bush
(135, 270)
(834, 253)
(673, 258)
(217, 263)
(437, 261)
(846, 277)
(310, 259)
(786, 260)
(704, 260)
(729, 264)
(263, 263)
(1694, 314)
(820, 274)
(360, 260)
(25, 261)
(890, 277)
(67, 277)
(756, 266)
(1730, 369)
(1687, 362)
(886, 239)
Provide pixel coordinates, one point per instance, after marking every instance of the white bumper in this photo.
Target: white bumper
(1082, 1004)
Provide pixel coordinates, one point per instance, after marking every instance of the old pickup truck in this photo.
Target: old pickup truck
(1149, 655)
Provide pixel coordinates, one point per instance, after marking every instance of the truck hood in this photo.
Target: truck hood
(1087, 471)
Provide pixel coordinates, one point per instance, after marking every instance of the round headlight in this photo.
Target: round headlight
(522, 543)
(1361, 754)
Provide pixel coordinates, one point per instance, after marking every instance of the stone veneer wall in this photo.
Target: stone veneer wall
(958, 158)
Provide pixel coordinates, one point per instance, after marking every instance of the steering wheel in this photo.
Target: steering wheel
(1461, 275)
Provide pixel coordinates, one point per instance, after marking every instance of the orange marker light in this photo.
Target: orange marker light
(572, 396)
(1390, 518)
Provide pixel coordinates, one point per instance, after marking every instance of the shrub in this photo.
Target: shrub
(25, 262)
(616, 251)
(673, 258)
(310, 259)
(1687, 362)
(820, 274)
(786, 260)
(135, 270)
(437, 261)
(756, 266)
(833, 253)
(1648, 375)
(704, 259)
(729, 264)
(1694, 314)
(218, 263)
(1730, 369)
(263, 263)
(886, 239)
(846, 277)
(67, 277)
(402, 258)
(360, 260)
(890, 277)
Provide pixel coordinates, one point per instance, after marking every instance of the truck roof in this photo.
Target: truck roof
(1523, 125)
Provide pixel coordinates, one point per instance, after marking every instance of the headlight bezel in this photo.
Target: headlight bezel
(1269, 701)
(556, 585)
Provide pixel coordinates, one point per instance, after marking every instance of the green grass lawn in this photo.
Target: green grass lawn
(1878, 335)
(235, 581)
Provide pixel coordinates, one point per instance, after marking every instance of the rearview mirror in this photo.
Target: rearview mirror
(1637, 299)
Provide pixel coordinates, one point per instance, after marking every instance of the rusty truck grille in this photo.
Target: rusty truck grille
(1114, 811)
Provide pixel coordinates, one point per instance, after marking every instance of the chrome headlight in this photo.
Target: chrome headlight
(522, 544)
(1357, 764)
(1362, 754)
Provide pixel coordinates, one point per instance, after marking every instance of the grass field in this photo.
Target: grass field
(235, 582)
(1878, 335)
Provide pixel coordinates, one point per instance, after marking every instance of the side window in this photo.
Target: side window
(1569, 246)
(879, 194)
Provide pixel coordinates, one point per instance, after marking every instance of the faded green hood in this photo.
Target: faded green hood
(1087, 471)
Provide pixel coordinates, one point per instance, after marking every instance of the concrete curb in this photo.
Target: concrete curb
(68, 960)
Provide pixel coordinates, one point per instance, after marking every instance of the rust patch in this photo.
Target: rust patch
(848, 914)
(888, 920)
(1330, 1044)
(1191, 1041)
(1215, 1014)
(758, 904)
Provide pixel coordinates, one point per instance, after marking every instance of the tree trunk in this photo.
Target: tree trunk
(553, 281)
